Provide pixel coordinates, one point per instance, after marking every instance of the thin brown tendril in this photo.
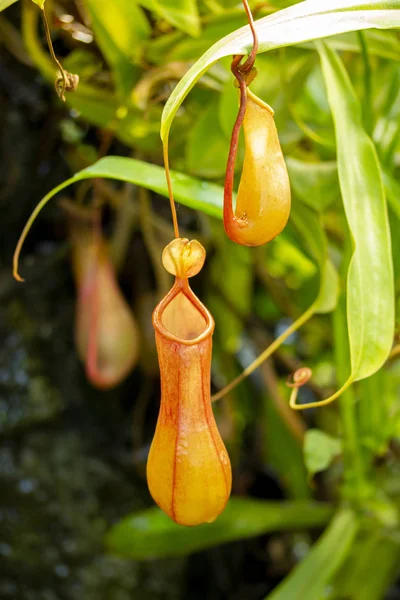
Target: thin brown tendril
(230, 167)
(249, 64)
(243, 74)
(67, 82)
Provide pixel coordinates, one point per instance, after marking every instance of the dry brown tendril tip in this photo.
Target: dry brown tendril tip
(300, 377)
(67, 82)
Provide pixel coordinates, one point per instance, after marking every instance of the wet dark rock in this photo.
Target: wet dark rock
(54, 514)
(27, 397)
(66, 466)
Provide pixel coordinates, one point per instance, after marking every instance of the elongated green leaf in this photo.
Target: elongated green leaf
(310, 578)
(374, 552)
(119, 32)
(5, 3)
(191, 192)
(370, 289)
(207, 197)
(309, 20)
(151, 534)
(194, 193)
(40, 3)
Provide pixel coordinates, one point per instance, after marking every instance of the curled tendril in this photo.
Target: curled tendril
(65, 82)
(300, 377)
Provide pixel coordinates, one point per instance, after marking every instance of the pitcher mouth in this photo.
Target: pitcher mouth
(170, 320)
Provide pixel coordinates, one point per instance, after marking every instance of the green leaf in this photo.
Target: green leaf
(191, 192)
(309, 20)
(5, 3)
(40, 3)
(182, 14)
(316, 184)
(207, 147)
(207, 197)
(377, 552)
(319, 450)
(308, 224)
(311, 577)
(152, 534)
(119, 32)
(194, 193)
(370, 288)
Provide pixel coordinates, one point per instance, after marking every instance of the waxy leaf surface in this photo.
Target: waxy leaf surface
(370, 287)
(151, 534)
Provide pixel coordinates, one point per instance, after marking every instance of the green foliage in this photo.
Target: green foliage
(315, 183)
(151, 534)
(230, 296)
(319, 450)
(370, 293)
(378, 553)
(192, 192)
(207, 148)
(182, 14)
(307, 21)
(120, 32)
(310, 579)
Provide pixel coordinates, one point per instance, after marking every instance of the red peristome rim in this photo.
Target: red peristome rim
(182, 286)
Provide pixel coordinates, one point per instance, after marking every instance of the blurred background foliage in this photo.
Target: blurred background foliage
(77, 520)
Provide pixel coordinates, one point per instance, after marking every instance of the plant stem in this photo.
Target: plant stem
(53, 54)
(267, 353)
(354, 475)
